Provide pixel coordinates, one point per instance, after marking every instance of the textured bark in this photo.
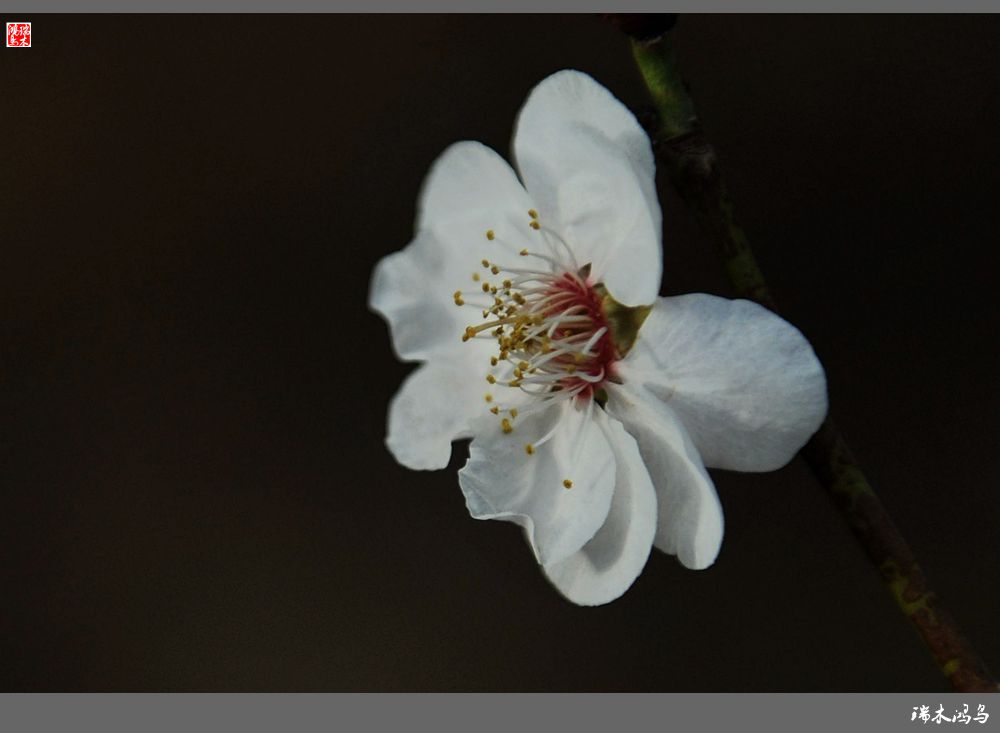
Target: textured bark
(690, 161)
(838, 472)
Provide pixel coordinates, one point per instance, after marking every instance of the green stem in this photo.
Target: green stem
(690, 161)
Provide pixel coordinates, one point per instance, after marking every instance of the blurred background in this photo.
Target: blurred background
(194, 492)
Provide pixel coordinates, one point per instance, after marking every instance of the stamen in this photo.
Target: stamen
(549, 328)
(594, 339)
(551, 260)
(565, 244)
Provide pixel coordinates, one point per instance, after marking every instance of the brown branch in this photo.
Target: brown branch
(691, 163)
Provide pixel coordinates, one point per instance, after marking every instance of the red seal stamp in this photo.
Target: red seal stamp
(18, 35)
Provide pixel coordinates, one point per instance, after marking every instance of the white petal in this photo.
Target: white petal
(501, 481)
(589, 167)
(471, 186)
(604, 568)
(689, 521)
(433, 407)
(745, 383)
(469, 190)
(410, 289)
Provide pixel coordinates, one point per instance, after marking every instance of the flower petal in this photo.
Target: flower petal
(433, 407)
(469, 190)
(589, 167)
(410, 289)
(501, 481)
(468, 187)
(605, 567)
(689, 516)
(745, 383)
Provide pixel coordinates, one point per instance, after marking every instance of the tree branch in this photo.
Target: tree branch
(691, 163)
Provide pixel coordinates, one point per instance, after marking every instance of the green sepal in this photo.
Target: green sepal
(624, 321)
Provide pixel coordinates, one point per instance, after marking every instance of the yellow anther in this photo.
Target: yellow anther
(567, 484)
(532, 213)
(490, 235)
(514, 383)
(469, 332)
(495, 410)
(486, 263)
(494, 361)
(491, 379)
(517, 373)
(571, 369)
(513, 413)
(523, 366)
(475, 277)
(523, 253)
(506, 426)
(489, 398)
(486, 287)
(535, 225)
(529, 449)
(507, 284)
(494, 269)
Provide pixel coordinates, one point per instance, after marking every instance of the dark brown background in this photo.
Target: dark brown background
(195, 495)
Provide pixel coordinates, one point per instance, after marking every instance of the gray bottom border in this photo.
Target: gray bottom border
(491, 712)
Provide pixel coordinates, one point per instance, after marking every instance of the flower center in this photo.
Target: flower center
(553, 339)
(550, 332)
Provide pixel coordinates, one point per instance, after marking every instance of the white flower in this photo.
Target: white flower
(521, 298)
